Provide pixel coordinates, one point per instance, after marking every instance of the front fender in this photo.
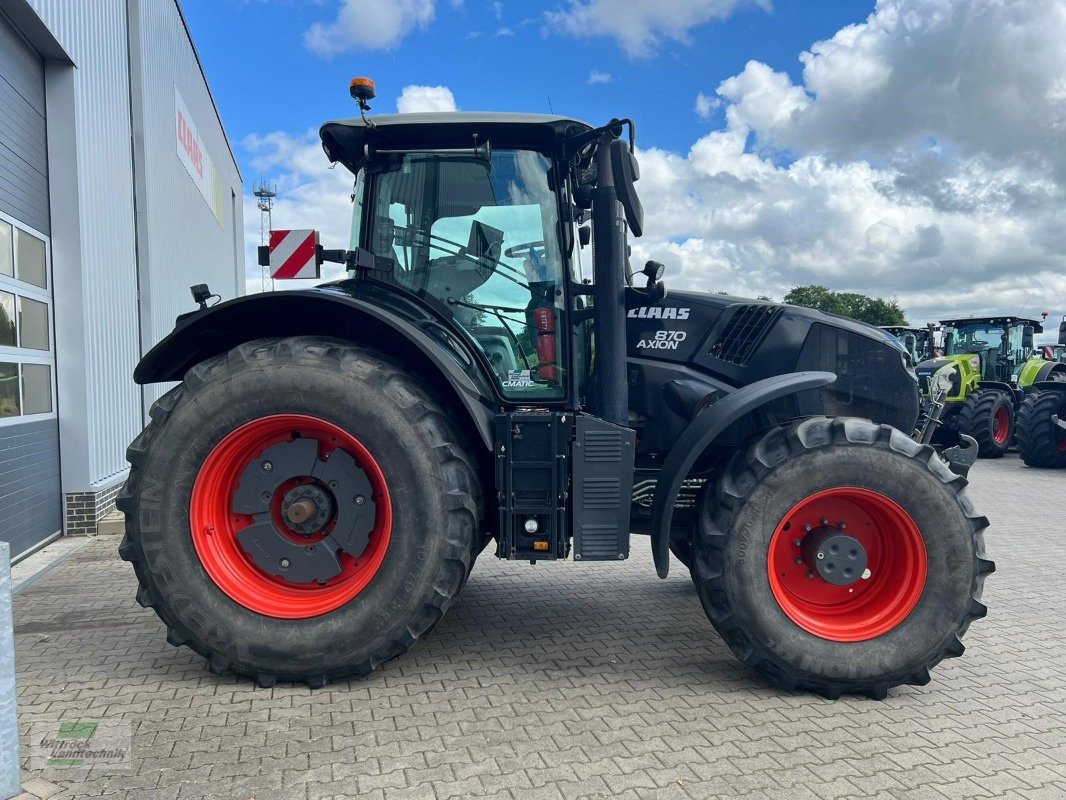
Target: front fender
(318, 312)
(700, 433)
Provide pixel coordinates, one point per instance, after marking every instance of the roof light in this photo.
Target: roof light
(362, 89)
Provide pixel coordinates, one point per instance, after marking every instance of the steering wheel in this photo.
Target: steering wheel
(525, 247)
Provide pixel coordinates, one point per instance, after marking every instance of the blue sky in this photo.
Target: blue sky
(266, 78)
(913, 149)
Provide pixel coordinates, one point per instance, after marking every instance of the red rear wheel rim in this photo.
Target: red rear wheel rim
(1001, 425)
(870, 607)
(215, 526)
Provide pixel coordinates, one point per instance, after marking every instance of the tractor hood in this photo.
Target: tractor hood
(735, 341)
(346, 141)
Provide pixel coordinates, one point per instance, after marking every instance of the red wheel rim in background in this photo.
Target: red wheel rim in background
(1001, 425)
(215, 526)
(896, 558)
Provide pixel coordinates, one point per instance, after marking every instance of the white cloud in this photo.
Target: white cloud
(599, 77)
(923, 157)
(705, 106)
(376, 25)
(639, 25)
(425, 98)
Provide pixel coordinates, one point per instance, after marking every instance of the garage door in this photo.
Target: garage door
(30, 499)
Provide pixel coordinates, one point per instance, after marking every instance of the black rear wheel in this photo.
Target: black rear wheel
(840, 556)
(988, 416)
(1041, 437)
(300, 510)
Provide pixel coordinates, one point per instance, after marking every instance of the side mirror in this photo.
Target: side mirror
(626, 173)
(1028, 333)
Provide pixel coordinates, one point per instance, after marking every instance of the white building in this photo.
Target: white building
(118, 190)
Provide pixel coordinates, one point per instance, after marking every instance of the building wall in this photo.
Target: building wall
(169, 202)
(99, 342)
(130, 231)
(23, 161)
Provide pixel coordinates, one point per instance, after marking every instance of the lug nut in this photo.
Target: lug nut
(825, 521)
(284, 563)
(267, 466)
(797, 543)
(842, 527)
(806, 528)
(810, 574)
(797, 561)
(360, 500)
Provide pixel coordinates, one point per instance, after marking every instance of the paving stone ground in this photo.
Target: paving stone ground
(563, 682)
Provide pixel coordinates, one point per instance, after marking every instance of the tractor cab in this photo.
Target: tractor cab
(1001, 344)
(481, 217)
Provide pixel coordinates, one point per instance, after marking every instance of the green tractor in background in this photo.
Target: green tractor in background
(988, 368)
(1042, 417)
(918, 342)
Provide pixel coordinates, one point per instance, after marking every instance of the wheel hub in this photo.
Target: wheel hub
(837, 557)
(281, 540)
(307, 508)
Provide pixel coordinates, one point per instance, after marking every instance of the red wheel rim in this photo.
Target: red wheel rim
(870, 607)
(215, 526)
(1001, 425)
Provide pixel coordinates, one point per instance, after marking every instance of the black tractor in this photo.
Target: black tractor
(310, 498)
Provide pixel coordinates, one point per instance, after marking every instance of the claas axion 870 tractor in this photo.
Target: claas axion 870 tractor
(311, 497)
(988, 368)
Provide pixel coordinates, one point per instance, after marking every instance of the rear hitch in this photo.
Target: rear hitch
(962, 456)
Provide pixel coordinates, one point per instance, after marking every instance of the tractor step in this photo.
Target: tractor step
(531, 481)
(563, 473)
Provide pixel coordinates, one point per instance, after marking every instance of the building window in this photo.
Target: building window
(27, 343)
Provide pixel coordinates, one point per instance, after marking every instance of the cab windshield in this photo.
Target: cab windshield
(972, 338)
(478, 238)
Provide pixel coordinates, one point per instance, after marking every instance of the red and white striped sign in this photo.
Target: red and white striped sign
(294, 254)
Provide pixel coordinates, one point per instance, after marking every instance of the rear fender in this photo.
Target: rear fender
(700, 433)
(316, 312)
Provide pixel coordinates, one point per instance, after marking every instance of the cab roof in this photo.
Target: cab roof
(344, 140)
(1004, 320)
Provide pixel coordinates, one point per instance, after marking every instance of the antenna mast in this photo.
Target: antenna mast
(265, 195)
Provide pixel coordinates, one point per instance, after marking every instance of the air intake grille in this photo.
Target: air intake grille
(745, 331)
(603, 446)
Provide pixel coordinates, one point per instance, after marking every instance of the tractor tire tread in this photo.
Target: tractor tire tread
(455, 467)
(1037, 442)
(740, 478)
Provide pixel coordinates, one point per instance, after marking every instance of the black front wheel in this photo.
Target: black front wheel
(1041, 435)
(840, 556)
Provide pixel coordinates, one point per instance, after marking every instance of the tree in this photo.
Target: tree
(874, 310)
